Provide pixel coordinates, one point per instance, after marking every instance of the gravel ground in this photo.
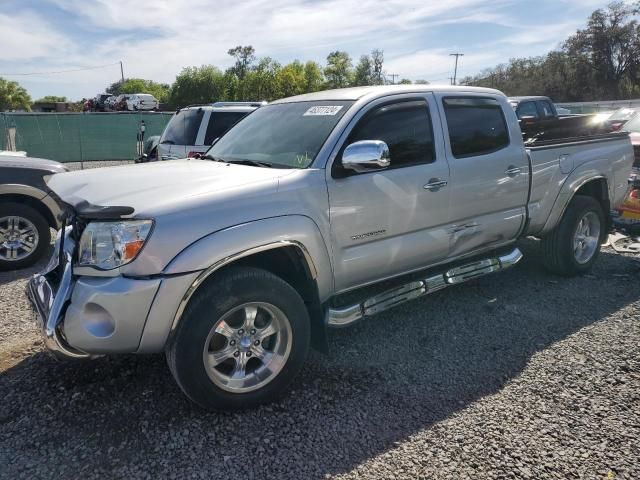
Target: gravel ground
(516, 375)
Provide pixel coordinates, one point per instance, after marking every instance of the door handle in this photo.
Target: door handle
(512, 171)
(435, 184)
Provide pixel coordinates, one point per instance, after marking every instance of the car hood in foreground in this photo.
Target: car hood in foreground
(164, 187)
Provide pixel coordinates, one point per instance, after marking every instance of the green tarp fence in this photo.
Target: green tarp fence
(80, 137)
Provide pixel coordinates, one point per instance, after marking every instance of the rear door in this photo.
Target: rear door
(489, 171)
(388, 222)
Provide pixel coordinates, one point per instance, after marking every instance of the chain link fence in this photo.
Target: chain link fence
(79, 137)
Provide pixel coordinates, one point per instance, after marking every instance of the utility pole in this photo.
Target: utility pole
(121, 71)
(393, 77)
(455, 71)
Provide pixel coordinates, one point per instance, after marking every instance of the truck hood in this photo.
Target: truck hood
(163, 187)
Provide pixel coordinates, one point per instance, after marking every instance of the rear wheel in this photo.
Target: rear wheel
(24, 236)
(241, 340)
(573, 246)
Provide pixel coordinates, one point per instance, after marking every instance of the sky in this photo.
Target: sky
(155, 39)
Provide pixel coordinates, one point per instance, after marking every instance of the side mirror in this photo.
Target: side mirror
(366, 156)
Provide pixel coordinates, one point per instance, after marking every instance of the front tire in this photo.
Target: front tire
(24, 236)
(573, 246)
(241, 340)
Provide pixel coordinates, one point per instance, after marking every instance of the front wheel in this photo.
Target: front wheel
(573, 246)
(24, 236)
(242, 338)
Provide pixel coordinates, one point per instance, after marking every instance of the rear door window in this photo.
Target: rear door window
(183, 127)
(476, 125)
(219, 123)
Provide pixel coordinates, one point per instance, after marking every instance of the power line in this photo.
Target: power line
(60, 71)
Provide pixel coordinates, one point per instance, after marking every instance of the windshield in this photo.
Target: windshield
(285, 134)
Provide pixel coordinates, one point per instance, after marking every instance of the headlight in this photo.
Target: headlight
(109, 245)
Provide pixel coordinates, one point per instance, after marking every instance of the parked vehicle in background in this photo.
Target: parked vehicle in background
(99, 102)
(120, 103)
(193, 129)
(540, 120)
(236, 262)
(534, 108)
(110, 103)
(28, 209)
(141, 101)
(633, 127)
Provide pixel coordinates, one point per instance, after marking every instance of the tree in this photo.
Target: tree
(313, 77)
(51, 98)
(364, 74)
(610, 45)
(261, 83)
(203, 84)
(404, 81)
(244, 57)
(339, 70)
(421, 82)
(291, 79)
(13, 96)
(140, 85)
(377, 57)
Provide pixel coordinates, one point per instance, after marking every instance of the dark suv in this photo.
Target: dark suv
(27, 209)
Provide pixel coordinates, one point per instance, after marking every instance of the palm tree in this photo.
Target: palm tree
(13, 96)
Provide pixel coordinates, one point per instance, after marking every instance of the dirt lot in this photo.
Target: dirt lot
(517, 375)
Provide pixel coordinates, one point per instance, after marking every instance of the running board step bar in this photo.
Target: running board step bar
(341, 317)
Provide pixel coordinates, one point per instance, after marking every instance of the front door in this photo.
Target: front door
(391, 221)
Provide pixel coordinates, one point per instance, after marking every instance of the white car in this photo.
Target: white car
(142, 101)
(193, 129)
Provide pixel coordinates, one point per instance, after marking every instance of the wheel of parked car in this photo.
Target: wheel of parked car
(243, 337)
(24, 236)
(573, 246)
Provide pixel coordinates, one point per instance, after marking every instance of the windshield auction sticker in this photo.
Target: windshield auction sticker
(323, 110)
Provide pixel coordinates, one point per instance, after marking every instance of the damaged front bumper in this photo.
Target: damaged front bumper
(84, 316)
(49, 293)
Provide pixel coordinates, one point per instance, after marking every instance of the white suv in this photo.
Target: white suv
(142, 101)
(193, 129)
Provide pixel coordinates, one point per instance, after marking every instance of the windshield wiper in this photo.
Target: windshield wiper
(211, 157)
(170, 142)
(244, 161)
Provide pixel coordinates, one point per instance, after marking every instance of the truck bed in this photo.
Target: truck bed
(553, 162)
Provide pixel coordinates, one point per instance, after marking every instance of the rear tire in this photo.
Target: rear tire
(241, 340)
(573, 246)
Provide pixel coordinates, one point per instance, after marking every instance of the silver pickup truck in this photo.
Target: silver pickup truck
(236, 263)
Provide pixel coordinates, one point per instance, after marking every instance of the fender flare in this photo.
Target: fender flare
(576, 180)
(210, 253)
